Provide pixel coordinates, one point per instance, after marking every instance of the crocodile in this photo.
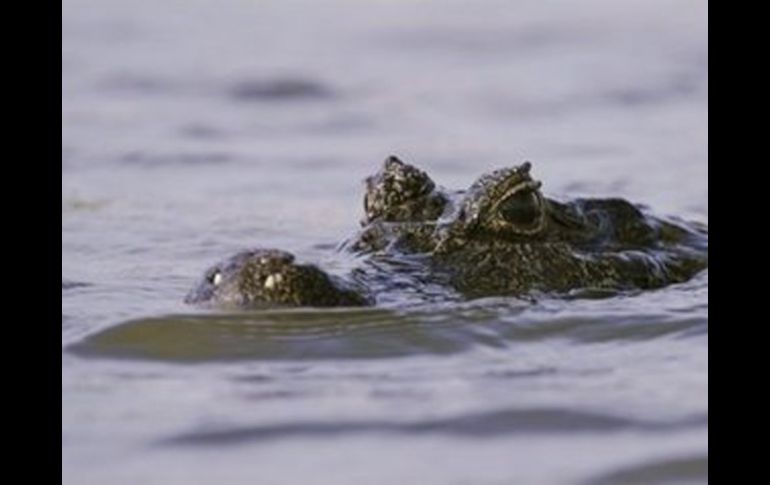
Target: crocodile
(499, 237)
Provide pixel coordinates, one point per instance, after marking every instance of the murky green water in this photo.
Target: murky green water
(193, 129)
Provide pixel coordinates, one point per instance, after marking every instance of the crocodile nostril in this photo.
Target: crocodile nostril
(273, 280)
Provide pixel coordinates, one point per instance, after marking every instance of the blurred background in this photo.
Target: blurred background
(192, 129)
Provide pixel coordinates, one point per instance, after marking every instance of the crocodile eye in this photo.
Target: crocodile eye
(522, 208)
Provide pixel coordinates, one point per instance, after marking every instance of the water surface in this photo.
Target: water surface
(194, 129)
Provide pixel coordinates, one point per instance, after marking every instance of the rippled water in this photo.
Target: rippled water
(193, 129)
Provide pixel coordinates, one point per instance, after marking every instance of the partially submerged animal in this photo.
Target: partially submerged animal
(499, 237)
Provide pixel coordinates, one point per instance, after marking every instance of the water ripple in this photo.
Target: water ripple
(69, 284)
(479, 425)
(279, 89)
(291, 334)
(689, 469)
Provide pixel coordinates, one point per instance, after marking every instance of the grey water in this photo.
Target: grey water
(192, 129)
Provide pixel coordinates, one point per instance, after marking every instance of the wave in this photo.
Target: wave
(478, 425)
(301, 334)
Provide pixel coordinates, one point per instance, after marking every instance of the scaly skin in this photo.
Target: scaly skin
(501, 236)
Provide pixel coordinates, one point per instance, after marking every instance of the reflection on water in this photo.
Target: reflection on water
(195, 129)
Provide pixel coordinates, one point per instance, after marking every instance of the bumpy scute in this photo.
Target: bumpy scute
(399, 193)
